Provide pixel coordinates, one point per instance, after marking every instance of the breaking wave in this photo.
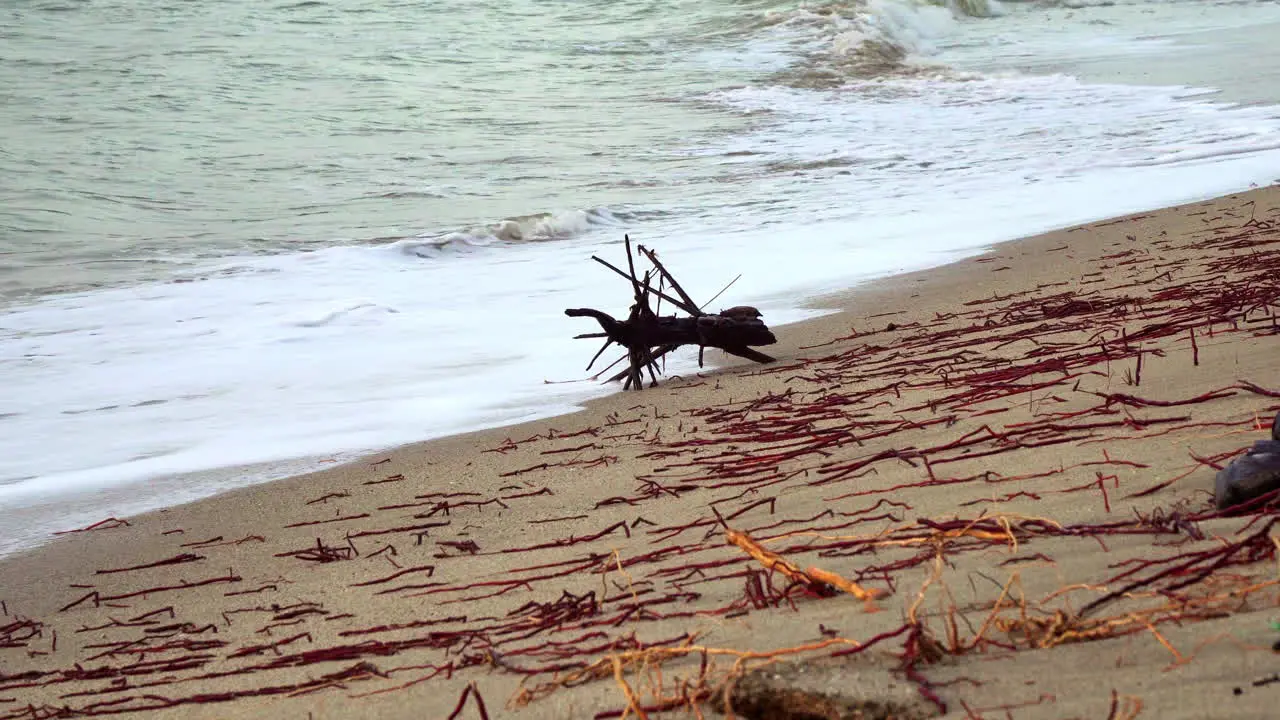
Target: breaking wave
(539, 227)
(869, 38)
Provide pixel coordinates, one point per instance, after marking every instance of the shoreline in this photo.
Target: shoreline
(120, 446)
(222, 480)
(986, 464)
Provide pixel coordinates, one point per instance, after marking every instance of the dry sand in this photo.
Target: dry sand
(971, 442)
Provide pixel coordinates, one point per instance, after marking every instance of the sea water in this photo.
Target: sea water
(244, 239)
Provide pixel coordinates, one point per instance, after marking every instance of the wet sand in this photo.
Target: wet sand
(1014, 454)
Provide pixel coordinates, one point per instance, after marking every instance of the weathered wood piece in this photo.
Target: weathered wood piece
(647, 336)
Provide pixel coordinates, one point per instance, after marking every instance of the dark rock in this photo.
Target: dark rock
(1251, 475)
(819, 690)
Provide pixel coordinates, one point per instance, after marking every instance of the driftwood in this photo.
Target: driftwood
(648, 336)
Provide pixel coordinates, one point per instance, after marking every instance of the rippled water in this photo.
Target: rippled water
(236, 233)
(142, 134)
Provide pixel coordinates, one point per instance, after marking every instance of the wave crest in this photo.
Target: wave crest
(539, 227)
(870, 38)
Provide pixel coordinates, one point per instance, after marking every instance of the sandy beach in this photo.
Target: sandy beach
(983, 490)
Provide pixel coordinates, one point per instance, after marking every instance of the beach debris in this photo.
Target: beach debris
(822, 582)
(814, 465)
(109, 524)
(818, 689)
(20, 632)
(1252, 475)
(321, 553)
(471, 691)
(648, 336)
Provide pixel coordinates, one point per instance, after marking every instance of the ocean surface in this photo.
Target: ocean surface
(243, 239)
